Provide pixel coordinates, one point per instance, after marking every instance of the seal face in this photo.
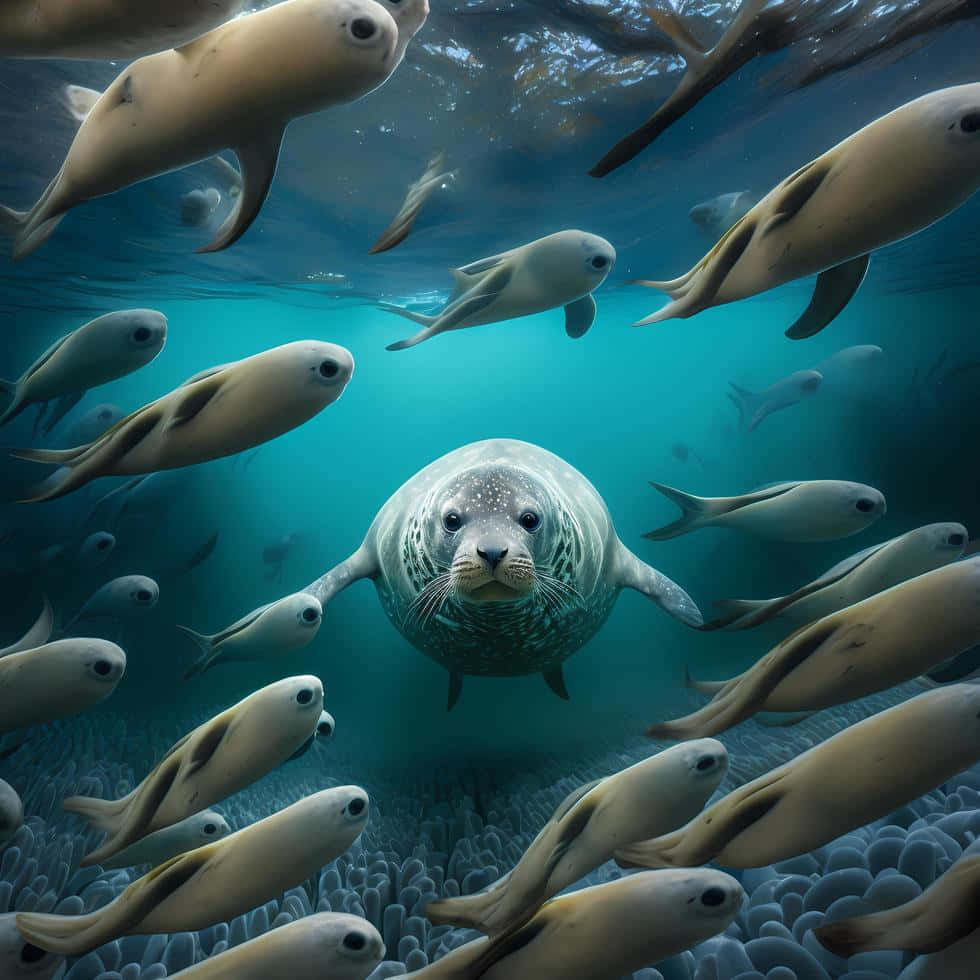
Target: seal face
(497, 576)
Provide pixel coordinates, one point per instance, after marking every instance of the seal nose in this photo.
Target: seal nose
(492, 556)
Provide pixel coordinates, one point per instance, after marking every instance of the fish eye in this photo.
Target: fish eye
(452, 522)
(141, 335)
(356, 806)
(305, 696)
(324, 728)
(865, 505)
(105, 413)
(143, 595)
(362, 28)
(970, 123)
(310, 615)
(102, 667)
(529, 521)
(713, 897)
(329, 368)
(705, 763)
(29, 953)
(956, 539)
(103, 544)
(354, 941)
(210, 828)
(599, 262)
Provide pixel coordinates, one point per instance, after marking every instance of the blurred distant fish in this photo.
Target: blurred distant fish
(93, 423)
(11, 813)
(809, 510)
(560, 270)
(95, 549)
(284, 626)
(716, 216)
(855, 578)
(179, 838)
(275, 553)
(197, 557)
(753, 407)
(106, 29)
(197, 206)
(143, 493)
(38, 634)
(848, 368)
(102, 350)
(325, 728)
(682, 452)
(418, 193)
(218, 412)
(129, 595)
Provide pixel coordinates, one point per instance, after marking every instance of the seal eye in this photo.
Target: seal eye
(955, 540)
(330, 368)
(452, 522)
(599, 262)
(354, 941)
(310, 615)
(356, 806)
(713, 897)
(29, 953)
(305, 696)
(210, 828)
(362, 28)
(865, 505)
(529, 521)
(102, 667)
(705, 763)
(143, 595)
(970, 123)
(141, 335)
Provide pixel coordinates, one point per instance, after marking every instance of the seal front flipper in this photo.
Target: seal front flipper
(362, 564)
(833, 292)
(554, 677)
(638, 575)
(258, 161)
(579, 316)
(455, 689)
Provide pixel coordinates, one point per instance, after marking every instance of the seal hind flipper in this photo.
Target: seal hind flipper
(834, 289)
(455, 689)
(579, 316)
(258, 161)
(554, 677)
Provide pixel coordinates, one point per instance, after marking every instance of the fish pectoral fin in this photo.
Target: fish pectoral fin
(554, 677)
(258, 160)
(198, 396)
(579, 316)
(480, 266)
(507, 944)
(833, 292)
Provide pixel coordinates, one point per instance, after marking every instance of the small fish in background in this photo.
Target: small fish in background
(281, 627)
(830, 215)
(321, 946)
(103, 350)
(809, 510)
(275, 553)
(107, 30)
(682, 452)
(197, 206)
(11, 814)
(325, 728)
(858, 577)
(218, 412)
(943, 381)
(139, 496)
(418, 193)
(562, 269)
(93, 423)
(57, 680)
(754, 407)
(39, 633)
(122, 598)
(186, 835)
(194, 560)
(95, 549)
(850, 370)
(19, 959)
(715, 216)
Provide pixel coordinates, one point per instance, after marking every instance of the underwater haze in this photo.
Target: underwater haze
(522, 98)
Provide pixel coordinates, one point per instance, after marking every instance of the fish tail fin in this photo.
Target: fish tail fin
(207, 657)
(60, 483)
(695, 511)
(422, 318)
(68, 935)
(741, 398)
(79, 101)
(411, 341)
(858, 934)
(30, 229)
(713, 718)
(471, 911)
(107, 815)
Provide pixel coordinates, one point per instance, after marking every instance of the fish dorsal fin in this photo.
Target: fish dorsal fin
(239, 625)
(481, 265)
(207, 373)
(44, 358)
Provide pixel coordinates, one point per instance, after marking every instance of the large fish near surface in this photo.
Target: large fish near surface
(218, 412)
(102, 350)
(827, 217)
(855, 578)
(236, 87)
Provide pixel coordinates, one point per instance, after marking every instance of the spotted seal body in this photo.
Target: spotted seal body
(499, 559)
